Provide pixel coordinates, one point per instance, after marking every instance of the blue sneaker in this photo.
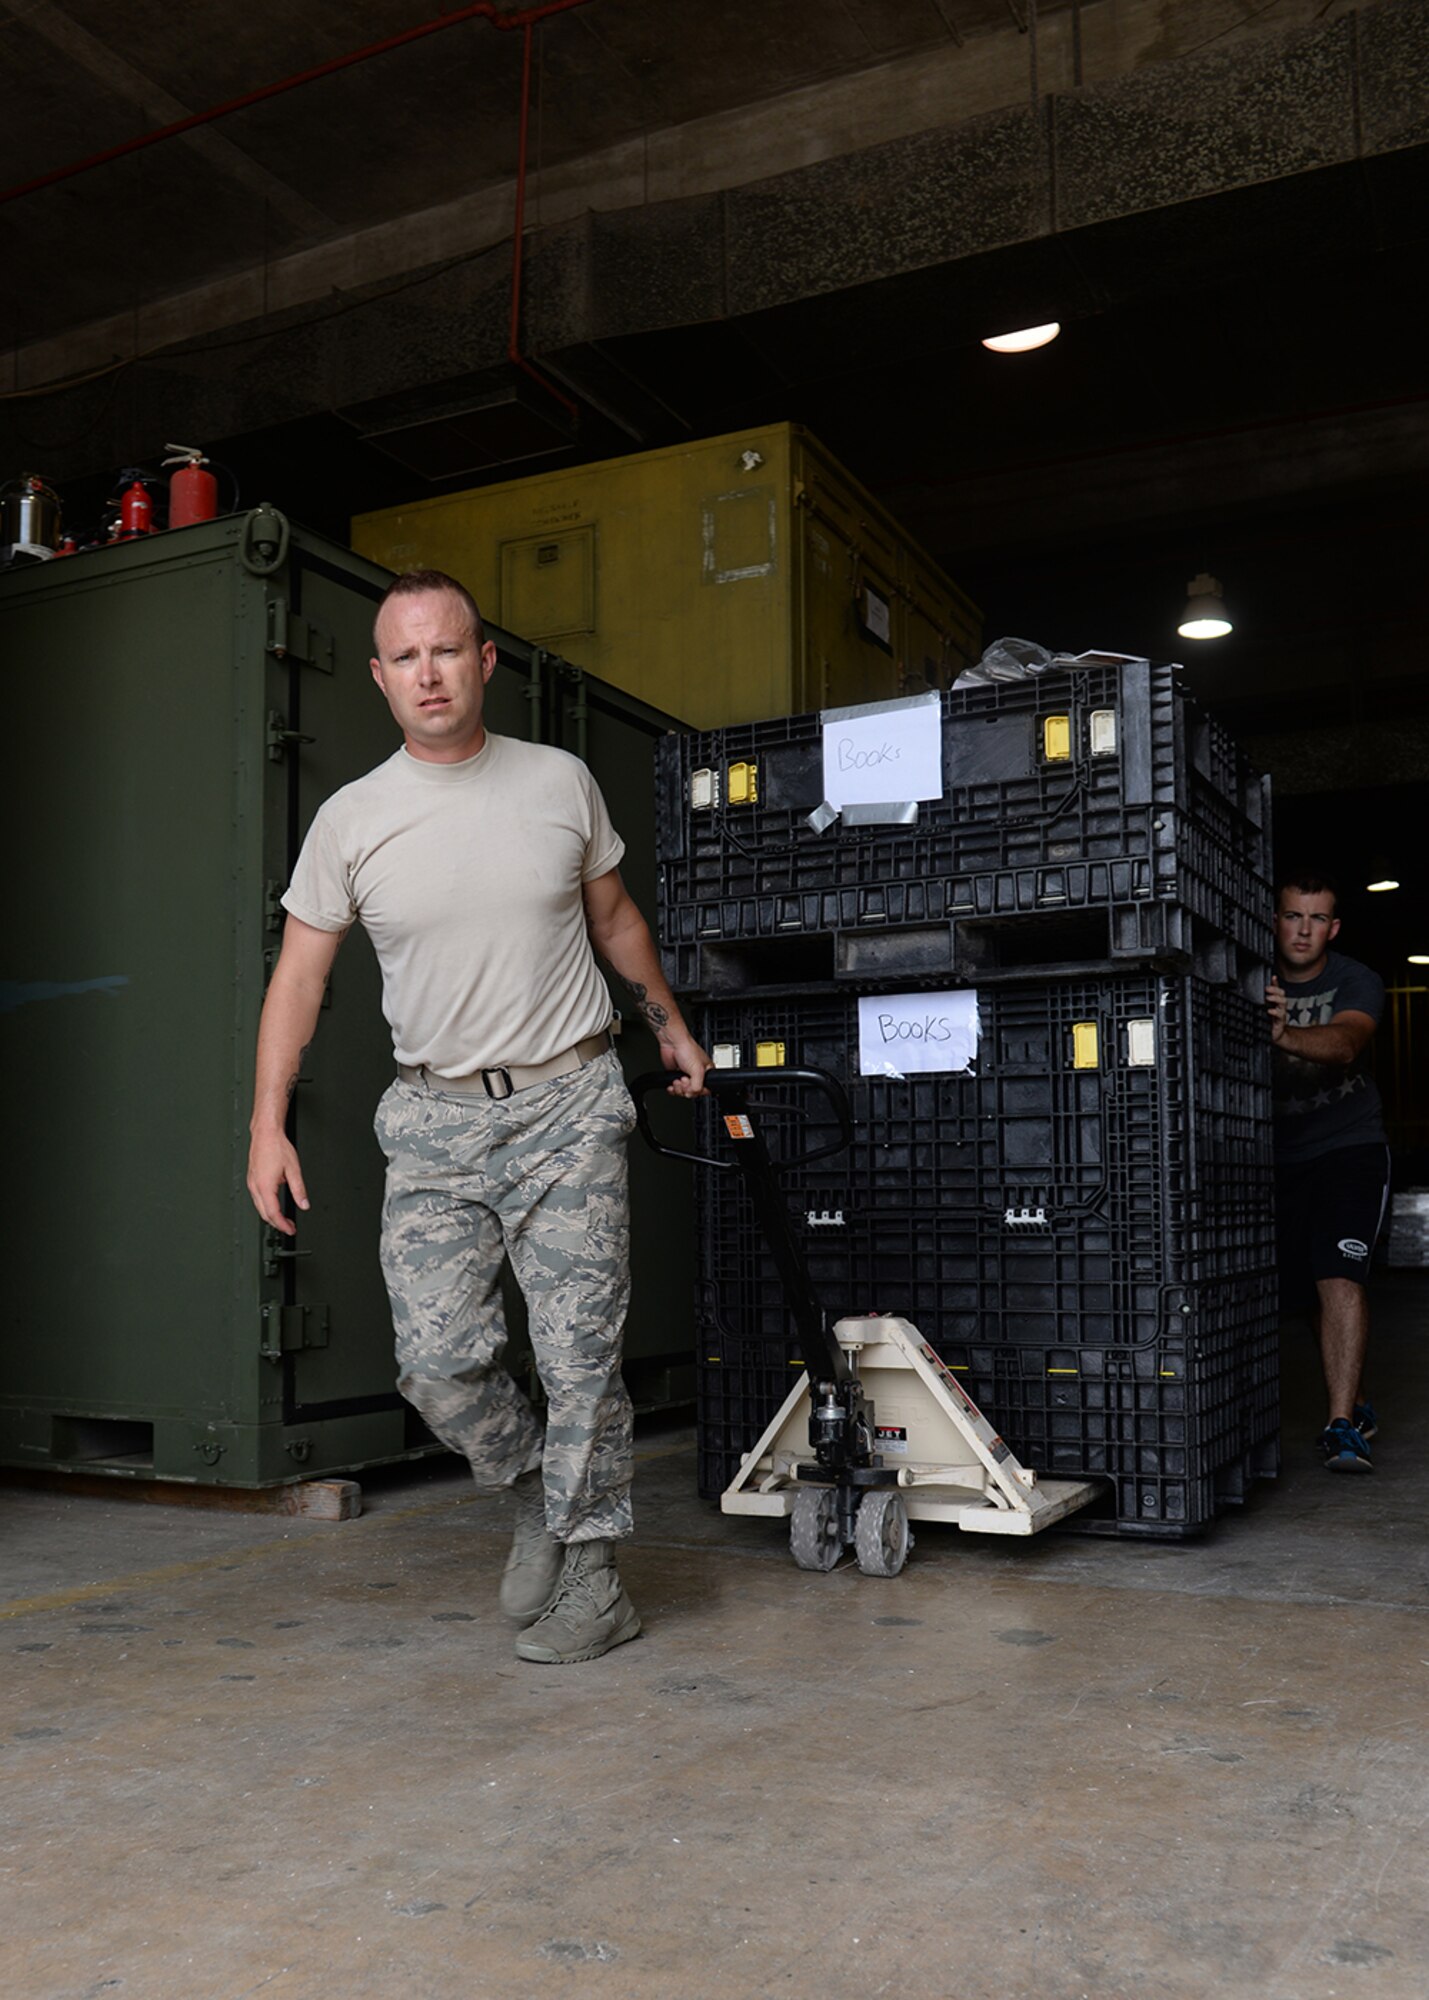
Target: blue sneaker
(1344, 1448)
(1364, 1421)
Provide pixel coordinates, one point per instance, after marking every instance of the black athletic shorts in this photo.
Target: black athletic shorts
(1328, 1212)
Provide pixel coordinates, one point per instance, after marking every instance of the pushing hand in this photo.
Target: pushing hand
(1275, 1006)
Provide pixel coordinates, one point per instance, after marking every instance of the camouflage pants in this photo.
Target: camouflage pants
(542, 1175)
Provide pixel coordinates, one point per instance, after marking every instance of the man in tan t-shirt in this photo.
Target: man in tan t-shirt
(485, 871)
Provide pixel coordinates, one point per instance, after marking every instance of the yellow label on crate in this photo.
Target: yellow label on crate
(742, 784)
(769, 1055)
(1057, 738)
(1084, 1045)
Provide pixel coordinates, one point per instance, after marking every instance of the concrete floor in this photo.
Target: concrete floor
(254, 1755)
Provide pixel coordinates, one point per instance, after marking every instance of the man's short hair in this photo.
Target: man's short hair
(1309, 882)
(420, 583)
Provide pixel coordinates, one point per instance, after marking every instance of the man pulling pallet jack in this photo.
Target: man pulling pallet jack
(824, 1459)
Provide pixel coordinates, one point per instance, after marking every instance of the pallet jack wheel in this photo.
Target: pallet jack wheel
(814, 1538)
(881, 1538)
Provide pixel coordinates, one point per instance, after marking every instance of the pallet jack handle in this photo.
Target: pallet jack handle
(733, 1086)
(750, 1156)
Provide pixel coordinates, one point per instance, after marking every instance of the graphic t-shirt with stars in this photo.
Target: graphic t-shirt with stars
(1319, 1107)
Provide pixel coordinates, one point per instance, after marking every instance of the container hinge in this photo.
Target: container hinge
(273, 906)
(291, 638)
(290, 1329)
(1025, 1218)
(280, 736)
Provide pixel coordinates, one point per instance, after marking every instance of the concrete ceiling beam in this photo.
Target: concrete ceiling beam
(905, 165)
(104, 66)
(1302, 145)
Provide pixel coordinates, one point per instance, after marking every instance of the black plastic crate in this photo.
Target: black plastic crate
(1149, 842)
(1179, 1428)
(1093, 1247)
(739, 1385)
(1175, 1426)
(1031, 1198)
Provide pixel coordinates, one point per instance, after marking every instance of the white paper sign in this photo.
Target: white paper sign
(886, 752)
(911, 1034)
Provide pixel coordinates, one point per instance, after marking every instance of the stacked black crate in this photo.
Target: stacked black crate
(1081, 1223)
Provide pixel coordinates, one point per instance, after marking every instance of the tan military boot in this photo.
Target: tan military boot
(591, 1612)
(533, 1569)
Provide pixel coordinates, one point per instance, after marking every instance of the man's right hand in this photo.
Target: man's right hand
(273, 1165)
(290, 1015)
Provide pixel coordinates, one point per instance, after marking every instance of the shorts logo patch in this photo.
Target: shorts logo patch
(1350, 1246)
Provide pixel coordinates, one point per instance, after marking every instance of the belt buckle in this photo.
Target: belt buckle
(499, 1095)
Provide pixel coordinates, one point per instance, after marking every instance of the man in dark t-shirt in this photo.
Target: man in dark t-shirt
(1331, 1157)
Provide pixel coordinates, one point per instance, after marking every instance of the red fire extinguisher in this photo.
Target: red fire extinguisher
(193, 493)
(136, 509)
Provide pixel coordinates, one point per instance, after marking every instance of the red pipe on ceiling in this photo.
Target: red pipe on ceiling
(482, 9)
(513, 349)
(525, 19)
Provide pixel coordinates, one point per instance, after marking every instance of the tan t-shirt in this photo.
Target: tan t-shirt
(468, 879)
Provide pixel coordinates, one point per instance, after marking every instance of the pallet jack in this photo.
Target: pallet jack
(877, 1431)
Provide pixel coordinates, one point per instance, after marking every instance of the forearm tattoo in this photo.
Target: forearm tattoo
(649, 1010)
(294, 1079)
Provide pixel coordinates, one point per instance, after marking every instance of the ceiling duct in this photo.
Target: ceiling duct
(499, 421)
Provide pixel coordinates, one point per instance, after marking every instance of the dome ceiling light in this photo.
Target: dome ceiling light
(1205, 614)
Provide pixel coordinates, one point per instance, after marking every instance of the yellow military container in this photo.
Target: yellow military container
(726, 580)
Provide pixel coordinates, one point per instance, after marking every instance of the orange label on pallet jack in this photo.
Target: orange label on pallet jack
(737, 1125)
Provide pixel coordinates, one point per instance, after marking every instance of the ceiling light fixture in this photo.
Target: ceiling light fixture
(1205, 613)
(1419, 958)
(1023, 341)
(1379, 873)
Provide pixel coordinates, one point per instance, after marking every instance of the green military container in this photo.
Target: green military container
(191, 699)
